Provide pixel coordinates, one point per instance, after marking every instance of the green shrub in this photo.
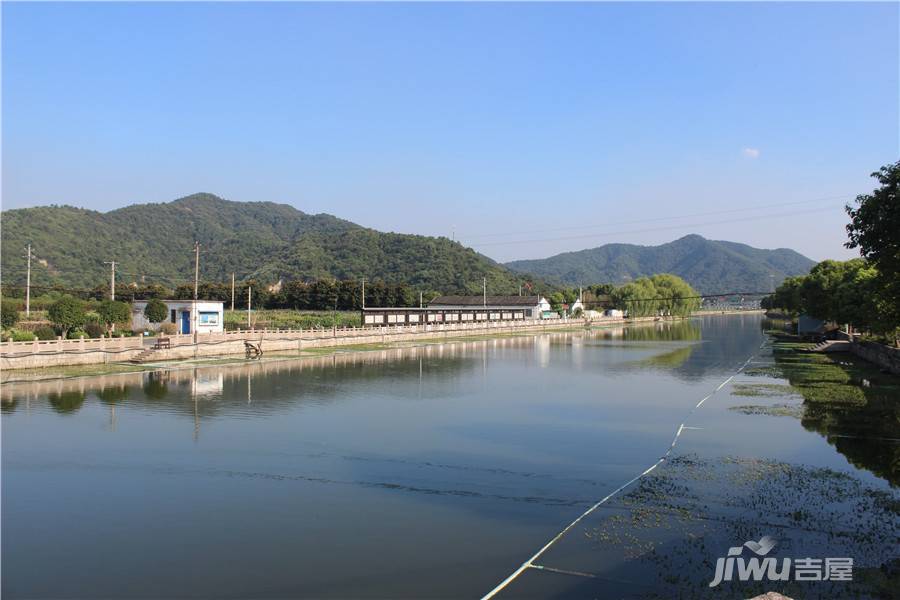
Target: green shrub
(9, 313)
(67, 313)
(156, 311)
(44, 333)
(76, 333)
(19, 335)
(94, 329)
(113, 312)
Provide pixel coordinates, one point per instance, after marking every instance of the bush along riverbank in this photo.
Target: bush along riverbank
(851, 402)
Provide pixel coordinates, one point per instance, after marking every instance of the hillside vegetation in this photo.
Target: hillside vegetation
(708, 266)
(263, 241)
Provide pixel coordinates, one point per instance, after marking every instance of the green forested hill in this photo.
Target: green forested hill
(709, 266)
(153, 243)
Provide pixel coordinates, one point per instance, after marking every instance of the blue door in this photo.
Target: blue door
(185, 321)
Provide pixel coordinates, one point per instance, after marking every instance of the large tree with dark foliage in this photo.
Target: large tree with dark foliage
(874, 225)
(874, 228)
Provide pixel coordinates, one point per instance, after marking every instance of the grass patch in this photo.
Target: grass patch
(767, 371)
(834, 378)
(773, 410)
(833, 393)
(845, 399)
(669, 360)
(15, 375)
(767, 390)
(348, 348)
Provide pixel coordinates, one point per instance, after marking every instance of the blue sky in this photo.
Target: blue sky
(521, 129)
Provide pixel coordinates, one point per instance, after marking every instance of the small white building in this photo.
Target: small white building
(209, 316)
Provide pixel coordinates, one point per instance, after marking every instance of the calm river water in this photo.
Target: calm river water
(411, 472)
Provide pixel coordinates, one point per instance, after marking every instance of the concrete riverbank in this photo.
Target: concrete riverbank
(63, 353)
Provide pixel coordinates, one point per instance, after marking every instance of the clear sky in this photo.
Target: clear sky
(521, 129)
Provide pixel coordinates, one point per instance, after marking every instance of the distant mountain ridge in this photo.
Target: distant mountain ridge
(710, 266)
(153, 243)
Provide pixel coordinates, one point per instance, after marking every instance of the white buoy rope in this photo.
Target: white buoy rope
(530, 563)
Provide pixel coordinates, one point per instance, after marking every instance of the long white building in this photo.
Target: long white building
(462, 309)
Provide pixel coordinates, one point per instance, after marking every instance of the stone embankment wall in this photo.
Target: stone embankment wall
(884, 356)
(54, 353)
(60, 352)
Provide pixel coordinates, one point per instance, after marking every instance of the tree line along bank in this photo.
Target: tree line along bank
(87, 313)
(863, 293)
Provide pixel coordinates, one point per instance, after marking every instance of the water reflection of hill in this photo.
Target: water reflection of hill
(273, 385)
(664, 331)
(270, 385)
(716, 344)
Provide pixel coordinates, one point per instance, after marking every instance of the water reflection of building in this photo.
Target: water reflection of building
(203, 381)
(577, 346)
(542, 350)
(207, 384)
(202, 391)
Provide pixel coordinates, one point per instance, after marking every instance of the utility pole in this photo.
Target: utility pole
(248, 306)
(112, 284)
(196, 268)
(112, 278)
(520, 289)
(28, 283)
(484, 289)
(196, 288)
(232, 292)
(420, 300)
(364, 293)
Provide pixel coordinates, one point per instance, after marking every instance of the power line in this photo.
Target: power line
(683, 226)
(697, 297)
(329, 294)
(667, 218)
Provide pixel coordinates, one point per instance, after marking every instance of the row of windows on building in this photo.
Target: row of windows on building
(443, 317)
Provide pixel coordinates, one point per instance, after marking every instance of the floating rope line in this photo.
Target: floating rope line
(530, 564)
